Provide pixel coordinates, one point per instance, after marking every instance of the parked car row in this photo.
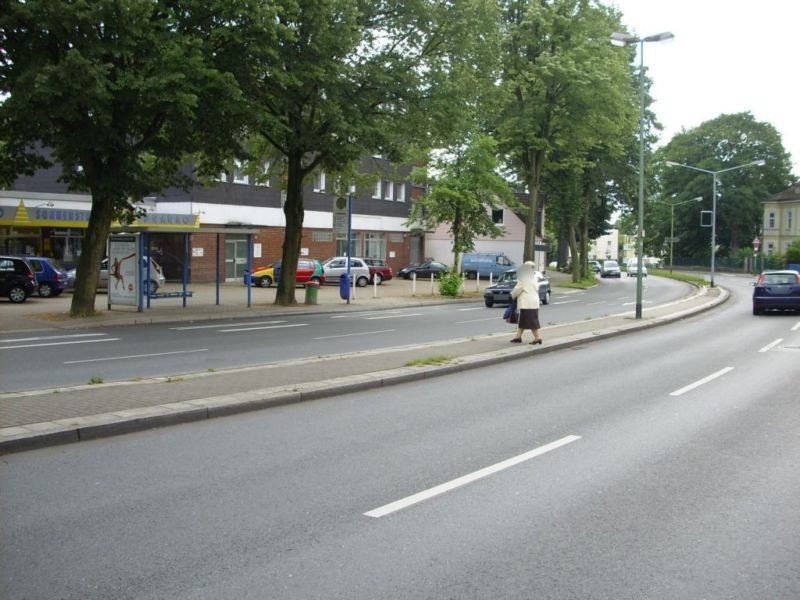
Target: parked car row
(362, 271)
(23, 276)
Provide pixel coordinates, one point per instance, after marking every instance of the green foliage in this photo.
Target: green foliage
(727, 141)
(793, 252)
(120, 92)
(450, 284)
(345, 78)
(564, 93)
(463, 195)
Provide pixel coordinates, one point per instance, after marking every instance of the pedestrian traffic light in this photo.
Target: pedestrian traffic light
(705, 218)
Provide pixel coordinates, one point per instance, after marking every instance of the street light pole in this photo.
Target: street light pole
(714, 175)
(672, 225)
(624, 39)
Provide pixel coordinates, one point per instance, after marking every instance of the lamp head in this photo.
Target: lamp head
(760, 162)
(623, 39)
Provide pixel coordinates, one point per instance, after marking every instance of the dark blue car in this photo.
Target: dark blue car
(51, 277)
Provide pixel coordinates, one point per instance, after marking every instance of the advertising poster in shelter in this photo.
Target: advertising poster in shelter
(123, 283)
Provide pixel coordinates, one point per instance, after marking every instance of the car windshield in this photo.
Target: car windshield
(507, 276)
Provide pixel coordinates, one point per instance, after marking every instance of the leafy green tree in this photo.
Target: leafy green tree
(463, 195)
(121, 91)
(793, 252)
(726, 141)
(351, 77)
(563, 87)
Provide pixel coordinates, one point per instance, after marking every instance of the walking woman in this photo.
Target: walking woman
(526, 293)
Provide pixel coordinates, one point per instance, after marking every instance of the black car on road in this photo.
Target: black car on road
(500, 292)
(424, 270)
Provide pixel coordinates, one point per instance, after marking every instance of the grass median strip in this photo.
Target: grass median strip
(439, 359)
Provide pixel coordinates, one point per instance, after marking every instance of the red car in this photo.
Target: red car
(307, 270)
(379, 270)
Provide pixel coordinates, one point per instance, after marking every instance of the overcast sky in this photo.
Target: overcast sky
(728, 56)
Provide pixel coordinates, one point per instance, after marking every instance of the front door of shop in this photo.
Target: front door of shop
(235, 257)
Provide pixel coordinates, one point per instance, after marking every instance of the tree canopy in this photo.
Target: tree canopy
(463, 195)
(352, 77)
(727, 141)
(121, 92)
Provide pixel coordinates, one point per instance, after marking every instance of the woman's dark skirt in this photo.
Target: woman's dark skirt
(529, 318)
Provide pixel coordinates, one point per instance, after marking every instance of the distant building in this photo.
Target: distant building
(781, 216)
(606, 247)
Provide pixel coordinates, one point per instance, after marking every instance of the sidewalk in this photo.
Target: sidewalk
(54, 416)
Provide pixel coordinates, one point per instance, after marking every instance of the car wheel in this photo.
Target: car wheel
(472, 274)
(488, 302)
(150, 287)
(265, 281)
(377, 278)
(756, 310)
(546, 299)
(362, 281)
(45, 290)
(17, 295)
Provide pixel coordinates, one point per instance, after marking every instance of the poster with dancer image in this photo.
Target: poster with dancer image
(123, 283)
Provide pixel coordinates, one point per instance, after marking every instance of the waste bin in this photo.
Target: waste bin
(344, 286)
(312, 291)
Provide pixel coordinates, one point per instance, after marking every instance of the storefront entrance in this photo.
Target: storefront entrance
(235, 257)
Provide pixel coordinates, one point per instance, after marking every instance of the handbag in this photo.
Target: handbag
(510, 314)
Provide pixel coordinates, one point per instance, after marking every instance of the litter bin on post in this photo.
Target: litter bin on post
(312, 290)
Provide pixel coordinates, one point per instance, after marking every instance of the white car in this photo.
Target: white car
(633, 270)
(335, 267)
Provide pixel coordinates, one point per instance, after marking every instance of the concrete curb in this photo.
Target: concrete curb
(39, 435)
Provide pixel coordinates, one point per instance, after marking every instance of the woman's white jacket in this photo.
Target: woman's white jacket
(527, 295)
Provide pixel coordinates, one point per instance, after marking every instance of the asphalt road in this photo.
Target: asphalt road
(659, 464)
(119, 353)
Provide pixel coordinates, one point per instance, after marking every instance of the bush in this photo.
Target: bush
(450, 285)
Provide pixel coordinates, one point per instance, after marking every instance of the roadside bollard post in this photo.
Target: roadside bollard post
(413, 284)
(432, 278)
(374, 287)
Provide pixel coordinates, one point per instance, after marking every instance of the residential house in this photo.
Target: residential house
(781, 216)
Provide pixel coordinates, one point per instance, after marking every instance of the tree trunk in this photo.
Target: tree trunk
(293, 234)
(92, 253)
(532, 164)
(573, 248)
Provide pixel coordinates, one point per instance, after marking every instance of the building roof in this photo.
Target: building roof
(788, 195)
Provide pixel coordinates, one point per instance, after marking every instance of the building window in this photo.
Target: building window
(222, 177)
(771, 218)
(401, 192)
(374, 246)
(770, 249)
(396, 238)
(377, 193)
(239, 175)
(497, 216)
(263, 178)
(789, 221)
(319, 182)
(321, 236)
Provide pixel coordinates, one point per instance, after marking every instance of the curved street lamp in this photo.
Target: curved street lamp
(626, 39)
(672, 206)
(714, 174)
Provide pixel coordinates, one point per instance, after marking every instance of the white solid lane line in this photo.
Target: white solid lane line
(89, 360)
(330, 337)
(393, 316)
(771, 345)
(700, 382)
(188, 327)
(58, 343)
(259, 328)
(796, 327)
(49, 337)
(478, 320)
(387, 509)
